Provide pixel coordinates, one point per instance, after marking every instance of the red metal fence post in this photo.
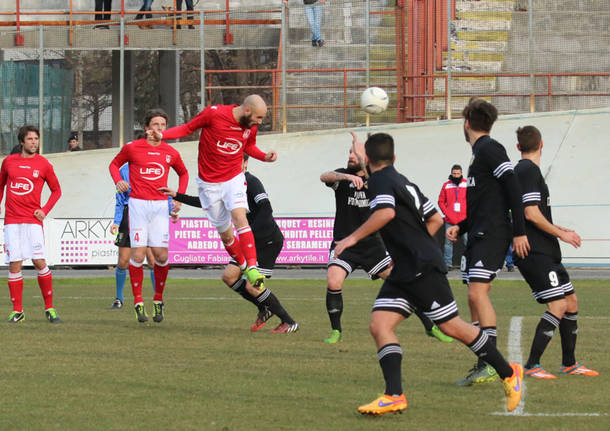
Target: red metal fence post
(19, 40)
(228, 39)
(399, 20)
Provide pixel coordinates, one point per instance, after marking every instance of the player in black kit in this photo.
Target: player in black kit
(352, 209)
(492, 191)
(268, 241)
(407, 220)
(542, 268)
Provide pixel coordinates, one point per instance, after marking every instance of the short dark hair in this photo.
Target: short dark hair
(155, 112)
(379, 148)
(24, 130)
(73, 138)
(454, 167)
(481, 114)
(529, 138)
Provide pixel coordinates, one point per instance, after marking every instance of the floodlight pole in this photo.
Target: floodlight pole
(122, 84)
(367, 25)
(41, 90)
(284, 30)
(202, 56)
(448, 83)
(530, 59)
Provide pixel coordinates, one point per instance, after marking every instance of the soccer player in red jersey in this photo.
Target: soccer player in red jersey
(24, 175)
(227, 131)
(149, 162)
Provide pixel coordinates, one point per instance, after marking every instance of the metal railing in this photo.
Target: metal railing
(170, 17)
(421, 28)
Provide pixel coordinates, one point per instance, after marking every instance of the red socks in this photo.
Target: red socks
(45, 281)
(15, 287)
(234, 250)
(136, 276)
(161, 270)
(246, 241)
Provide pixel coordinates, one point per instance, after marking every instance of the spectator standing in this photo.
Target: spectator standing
(452, 202)
(146, 6)
(314, 13)
(189, 6)
(102, 6)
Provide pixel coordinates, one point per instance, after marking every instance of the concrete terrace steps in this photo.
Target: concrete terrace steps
(481, 35)
(478, 45)
(382, 35)
(343, 29)
(485, 6)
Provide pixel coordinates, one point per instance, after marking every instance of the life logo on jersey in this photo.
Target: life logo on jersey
(152, 172)
(229, 146)
(246, 133)
(36, 173)
(168, 158)
(21, 186)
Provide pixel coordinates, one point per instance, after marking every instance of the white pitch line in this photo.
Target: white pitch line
(515, 355)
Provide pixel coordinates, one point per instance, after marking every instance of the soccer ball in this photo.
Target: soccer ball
(374, 100)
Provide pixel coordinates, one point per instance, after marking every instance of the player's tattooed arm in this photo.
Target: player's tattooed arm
(334, 176)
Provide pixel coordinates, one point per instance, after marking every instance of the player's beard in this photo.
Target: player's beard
(245, 121)
(352, 168)
(28, 151)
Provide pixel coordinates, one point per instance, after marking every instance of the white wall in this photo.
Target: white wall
(575, 161)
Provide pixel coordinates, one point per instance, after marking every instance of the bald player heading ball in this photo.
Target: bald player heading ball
(227, 131)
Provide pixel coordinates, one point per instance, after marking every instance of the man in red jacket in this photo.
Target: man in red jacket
(452, 202)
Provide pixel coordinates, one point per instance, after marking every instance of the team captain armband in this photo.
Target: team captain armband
(384, 200)
(531, 197)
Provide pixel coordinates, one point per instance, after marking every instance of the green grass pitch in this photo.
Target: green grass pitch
(202, 369)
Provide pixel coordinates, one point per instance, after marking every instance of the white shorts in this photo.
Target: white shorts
(23, 241)
(219, 199)
(148, 223)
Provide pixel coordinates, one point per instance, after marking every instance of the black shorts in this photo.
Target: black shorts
(430, 293)
(267, 251)
(373, 260)
(122, 239)
(547, 278)
(483, 258)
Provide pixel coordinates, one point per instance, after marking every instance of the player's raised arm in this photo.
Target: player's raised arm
(358, 150)
(198, 122)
